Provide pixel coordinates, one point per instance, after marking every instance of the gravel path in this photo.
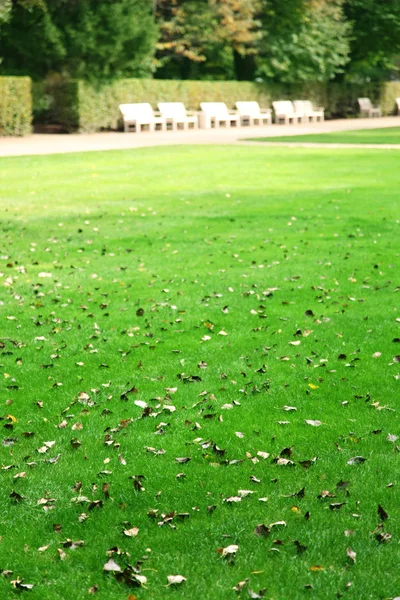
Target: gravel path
(81, 142)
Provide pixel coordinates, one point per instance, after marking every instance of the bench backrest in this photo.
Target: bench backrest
(283, 107)
(141, 111)
(170, 110)
(248, 109)
(215, 109)
(365, 103)
(303, 106)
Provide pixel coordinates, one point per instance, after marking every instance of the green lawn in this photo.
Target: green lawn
(203, 304)
(387, 135)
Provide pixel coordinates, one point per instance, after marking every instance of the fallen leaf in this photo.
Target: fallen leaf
(228, 550)
(382, 513)
(356, 460)
(351, 554)
(262, 530)
(112, 566)
(175, 579)
(131, 532)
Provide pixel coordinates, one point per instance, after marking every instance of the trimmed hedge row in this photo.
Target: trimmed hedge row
(77, 105)
(15, 106)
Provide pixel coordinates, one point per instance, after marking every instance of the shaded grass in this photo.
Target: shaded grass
(386, 135)
(183, 233)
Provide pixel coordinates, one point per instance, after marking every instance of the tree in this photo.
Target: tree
(91, 39)
(5, 9)
(204, 37)
(313, 46)
(375, 39)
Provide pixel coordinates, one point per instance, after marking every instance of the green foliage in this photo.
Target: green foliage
(201, 38)
(96, 108)
(5, 9)
(375, 38)
(286, 41)
(15, 105)
(78, 105)
(316, 49)
(92, 39)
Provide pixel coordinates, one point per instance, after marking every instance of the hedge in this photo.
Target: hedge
(78, 105)
(15, 106)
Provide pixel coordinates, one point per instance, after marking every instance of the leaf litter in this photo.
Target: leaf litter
(128, 400)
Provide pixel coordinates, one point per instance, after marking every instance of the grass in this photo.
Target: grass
(386, 135)
(119, 271)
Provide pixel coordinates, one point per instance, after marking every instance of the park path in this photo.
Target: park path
(83, 142)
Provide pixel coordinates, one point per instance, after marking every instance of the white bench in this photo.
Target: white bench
(367, 109)
(251, 113)
(216, 113)
(285, 111)
(139, 115)
(306, 108)
(176, 114)
(398, 105)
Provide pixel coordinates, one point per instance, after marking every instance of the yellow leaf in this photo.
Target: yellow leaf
(317, 568)
(296, 510)
(312, 386)
(13, 419)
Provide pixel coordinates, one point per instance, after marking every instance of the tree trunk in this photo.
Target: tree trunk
(244, 66)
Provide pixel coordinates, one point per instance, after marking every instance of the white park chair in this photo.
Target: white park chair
(285, 111)
(398, 105)
(306, 108)
(139, 115)
(367, 109)
(176, 114)
(251, 113)
(213, 114)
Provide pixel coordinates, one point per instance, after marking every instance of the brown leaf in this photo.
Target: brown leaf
(262, 530)
(93, 590)
(131, 532)
(111, 566)
(300, 547)
(382, 513)
(351, 554)
(228, 551)
(62, 555)
(175, 579)
(336, 505)
(232, 499)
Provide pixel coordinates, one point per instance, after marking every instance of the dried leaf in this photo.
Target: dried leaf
(356, 460)
(262, 530)
(175, 579)
(351, 554)
(132, 532)
(111, 566)
(228, 550)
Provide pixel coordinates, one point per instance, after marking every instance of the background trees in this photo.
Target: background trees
(309, 42)
(92, 39)
(279, 40)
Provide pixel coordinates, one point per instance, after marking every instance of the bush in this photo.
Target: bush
(15, 106)
(77, 105)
